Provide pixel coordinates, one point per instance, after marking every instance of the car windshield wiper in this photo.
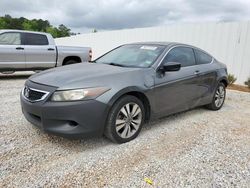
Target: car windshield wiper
(119, 65)
(116, 64)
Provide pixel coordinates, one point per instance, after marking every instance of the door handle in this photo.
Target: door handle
(51, 49)
(196, 72)
(19, 48)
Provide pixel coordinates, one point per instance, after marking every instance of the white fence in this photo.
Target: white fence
(228, 42)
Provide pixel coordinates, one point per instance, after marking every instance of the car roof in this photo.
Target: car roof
(21, 31)
(169, 45)
(162, 43)
(152, 43)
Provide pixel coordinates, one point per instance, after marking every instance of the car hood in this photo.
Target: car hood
(84, 75)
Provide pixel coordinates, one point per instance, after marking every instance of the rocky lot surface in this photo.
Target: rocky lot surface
(198, 148)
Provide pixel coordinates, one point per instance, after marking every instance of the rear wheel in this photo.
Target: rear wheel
(125, 119)
(70, 62)
(219, 97)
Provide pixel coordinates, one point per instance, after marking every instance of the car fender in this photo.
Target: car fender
(123, 92)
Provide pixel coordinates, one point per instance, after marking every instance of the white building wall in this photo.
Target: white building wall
(227, 42)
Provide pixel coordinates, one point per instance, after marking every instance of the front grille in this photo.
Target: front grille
(34, 95)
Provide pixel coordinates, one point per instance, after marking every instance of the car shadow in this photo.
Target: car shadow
(94, 143)
(14, 76)
(75, 145)
(174, 117)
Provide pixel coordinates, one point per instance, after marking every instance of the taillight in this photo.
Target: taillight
(90, 55)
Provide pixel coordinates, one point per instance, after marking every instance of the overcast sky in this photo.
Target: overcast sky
(84, 15)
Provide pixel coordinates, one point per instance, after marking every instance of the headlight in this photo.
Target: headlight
(78, 94)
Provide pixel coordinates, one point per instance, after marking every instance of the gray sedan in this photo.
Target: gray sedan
(120, 91)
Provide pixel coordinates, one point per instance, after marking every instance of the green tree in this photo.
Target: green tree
(53, 31)
(63, 31)
(3, 23)
(7, 22)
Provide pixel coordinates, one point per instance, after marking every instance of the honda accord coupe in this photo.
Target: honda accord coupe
(121, 90)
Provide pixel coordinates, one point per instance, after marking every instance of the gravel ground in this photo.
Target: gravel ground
(198, 148)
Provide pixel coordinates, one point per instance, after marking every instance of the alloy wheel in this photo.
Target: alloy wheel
(128, 120)
(219, 96)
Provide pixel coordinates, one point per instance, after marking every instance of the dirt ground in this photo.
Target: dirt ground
(197, 148)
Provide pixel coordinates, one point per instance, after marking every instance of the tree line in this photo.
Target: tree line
(7, 22)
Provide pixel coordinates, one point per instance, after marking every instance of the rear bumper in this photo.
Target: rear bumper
(79, 119)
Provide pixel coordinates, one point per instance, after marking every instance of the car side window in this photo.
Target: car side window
(182, 55)
(202, 58)
(10, 38)
(35, 39)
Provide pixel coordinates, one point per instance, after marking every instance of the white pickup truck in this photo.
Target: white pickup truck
(26, 50)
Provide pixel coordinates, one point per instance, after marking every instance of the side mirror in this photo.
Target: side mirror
(171, 66)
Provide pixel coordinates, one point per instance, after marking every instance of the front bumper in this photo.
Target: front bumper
(78, 119)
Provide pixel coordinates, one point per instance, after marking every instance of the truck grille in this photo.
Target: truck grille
(34, 95)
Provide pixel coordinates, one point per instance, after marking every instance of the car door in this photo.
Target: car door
(39, 53)
(176, 91)
(12, 56)
(207, 75)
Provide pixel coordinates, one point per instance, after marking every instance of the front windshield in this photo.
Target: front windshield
(133, 55)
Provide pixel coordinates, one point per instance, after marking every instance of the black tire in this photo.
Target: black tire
(111, 127)
(8, 72)
(213, 105)
(70, 62)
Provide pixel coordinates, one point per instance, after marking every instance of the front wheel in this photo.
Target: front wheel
(125, 119)
(219, 97)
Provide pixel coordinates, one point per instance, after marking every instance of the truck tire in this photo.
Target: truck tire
(70, 62)
(8, 72)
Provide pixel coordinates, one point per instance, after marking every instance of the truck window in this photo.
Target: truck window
(35, 39)
(10, 38)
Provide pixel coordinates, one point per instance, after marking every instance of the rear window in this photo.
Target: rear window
(35, 39)
(202, 58)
